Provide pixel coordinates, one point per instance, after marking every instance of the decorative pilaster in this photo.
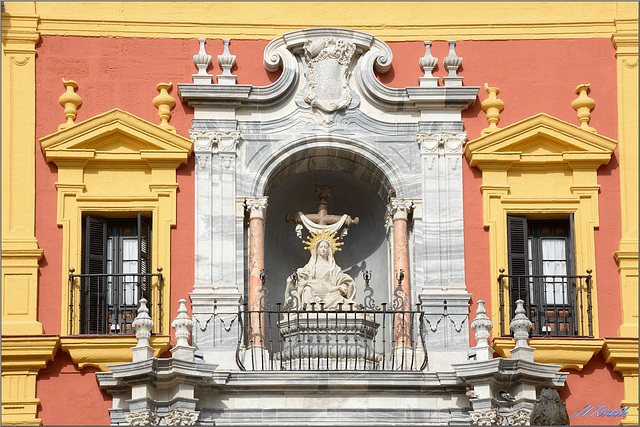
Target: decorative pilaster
(492, 107)
(428, 63)
(70, 101)
(226, 61)
(451, 63)
(583, 106)
(202, 61)
(218, 286)
(625, 41)
(164, 103)
(622, 353)
(20, 252)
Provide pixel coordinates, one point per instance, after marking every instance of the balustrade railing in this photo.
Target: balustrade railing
(556, 305)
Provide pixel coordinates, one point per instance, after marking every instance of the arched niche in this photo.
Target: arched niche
(358, 188)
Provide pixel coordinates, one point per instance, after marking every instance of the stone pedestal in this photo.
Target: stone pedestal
(329, 341)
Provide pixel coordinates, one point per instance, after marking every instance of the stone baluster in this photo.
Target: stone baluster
(182, 324)
(482, 326)
(142, 325)
(202, 61)
(451, 64)
(520, 326)
(70, 100)
(226, 61)
(428, 63)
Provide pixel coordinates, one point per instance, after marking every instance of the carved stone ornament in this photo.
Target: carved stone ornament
(481, 325)
(519, 418)
(142, 418)
(486, 418)
(257, 206)
(327, 65)
(180, 417)
(441, 142)
(215, 141)
(399, 208)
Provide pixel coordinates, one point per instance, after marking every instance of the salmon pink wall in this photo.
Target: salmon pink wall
(597, 384)
(70, 396)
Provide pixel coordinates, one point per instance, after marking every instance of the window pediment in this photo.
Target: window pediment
(540, 139)
(116, 135)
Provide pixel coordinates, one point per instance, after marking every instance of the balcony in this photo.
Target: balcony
(108, 303)
(558, 306)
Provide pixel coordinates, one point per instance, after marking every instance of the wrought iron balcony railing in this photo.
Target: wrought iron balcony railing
(312, 338)
(108, 303)
(556, 305)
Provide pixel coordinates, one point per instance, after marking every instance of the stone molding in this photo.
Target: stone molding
(177, 417)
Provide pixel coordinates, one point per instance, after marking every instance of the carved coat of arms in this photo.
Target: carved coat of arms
(327, 64)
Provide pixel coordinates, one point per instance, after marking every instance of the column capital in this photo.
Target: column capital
(256, 206)
(399, 208)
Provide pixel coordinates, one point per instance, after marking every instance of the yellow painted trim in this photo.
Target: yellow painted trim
(100, 351)
(20, 253)
(622, 353)
(22, 358)
(514, 161)
(116, 164)
(571, 353)
(625, 40)
(391, 21)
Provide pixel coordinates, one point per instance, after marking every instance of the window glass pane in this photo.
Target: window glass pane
(553, 250)
(129, 250)
(556, 290)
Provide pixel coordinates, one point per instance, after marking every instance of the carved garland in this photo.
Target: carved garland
(177, 417)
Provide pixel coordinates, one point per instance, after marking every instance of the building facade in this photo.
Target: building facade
(465, 176)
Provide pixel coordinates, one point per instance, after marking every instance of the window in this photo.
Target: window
(541, 273)
(116, 267)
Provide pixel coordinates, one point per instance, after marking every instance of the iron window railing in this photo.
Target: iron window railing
(108, 303)
(556, 305)
(353, 337)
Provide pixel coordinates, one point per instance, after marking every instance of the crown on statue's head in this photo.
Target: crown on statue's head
(331, 238)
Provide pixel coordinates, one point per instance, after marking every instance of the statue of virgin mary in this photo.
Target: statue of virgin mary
(321, 280)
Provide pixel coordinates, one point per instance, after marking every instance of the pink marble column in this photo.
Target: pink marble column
(399, 210)
(257, 208)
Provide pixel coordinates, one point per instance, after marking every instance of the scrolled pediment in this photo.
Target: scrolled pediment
(540, 139)
(118, 136)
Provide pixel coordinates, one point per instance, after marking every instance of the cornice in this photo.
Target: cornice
(622, 353)
(28, 352)
(571, 353)
(392, 21)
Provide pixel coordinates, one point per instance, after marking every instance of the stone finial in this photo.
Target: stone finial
(520, 326)
(70, 101)
(182, 324)
(428, 63)
(142, 325)
(451, 64)
(165, 102)
(202, 61)
(226, 61)
(492, 107)
(482, 325)
(583, 105)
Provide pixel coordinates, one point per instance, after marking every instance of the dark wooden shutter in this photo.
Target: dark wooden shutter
(144, 250)
(94, 301)
(518, 259)
(571, 253)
